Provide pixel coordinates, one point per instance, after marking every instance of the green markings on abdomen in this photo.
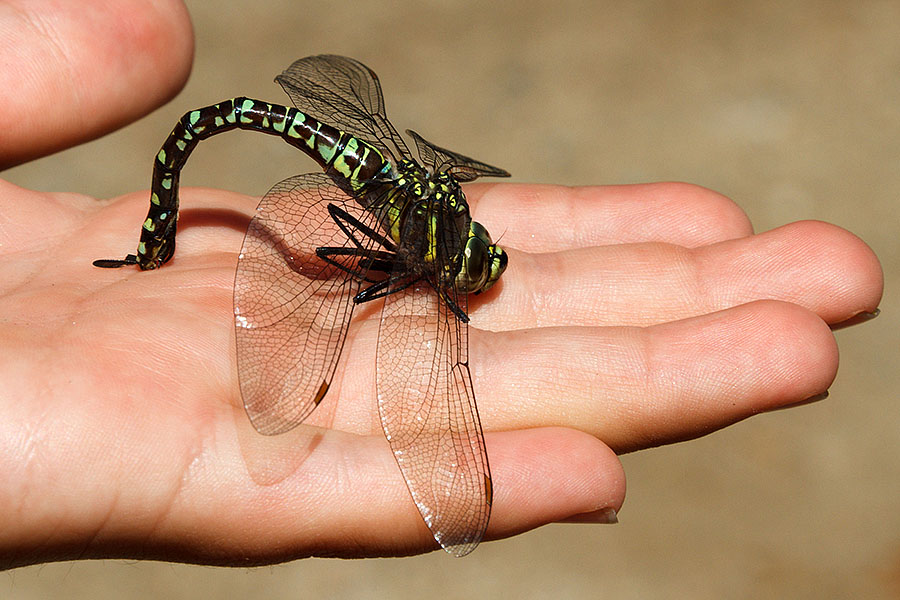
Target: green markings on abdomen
(340, 154)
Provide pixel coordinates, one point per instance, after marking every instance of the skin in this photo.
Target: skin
(120, 428)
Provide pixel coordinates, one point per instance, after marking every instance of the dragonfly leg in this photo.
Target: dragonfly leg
(386, 288)
(371, 260)
(451, 304)
(342, 219)
(455, 309)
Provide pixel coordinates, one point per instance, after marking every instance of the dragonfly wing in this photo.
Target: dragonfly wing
(292, 309)
(461, 167)
(346, 94)
(429, 416)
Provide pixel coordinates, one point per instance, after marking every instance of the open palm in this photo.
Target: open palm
(646, 315)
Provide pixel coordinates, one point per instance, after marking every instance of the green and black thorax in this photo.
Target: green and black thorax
(427, 216)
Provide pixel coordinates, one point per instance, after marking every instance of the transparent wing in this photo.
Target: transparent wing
(345, 94)
(461, 167)
(292, 309)
(429, 416)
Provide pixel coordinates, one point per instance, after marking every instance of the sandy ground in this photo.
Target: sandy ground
(793, 112)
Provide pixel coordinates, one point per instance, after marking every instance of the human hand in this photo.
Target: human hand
(629, 317)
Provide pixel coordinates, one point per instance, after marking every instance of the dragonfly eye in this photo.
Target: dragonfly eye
(496, 265)
(483, 262)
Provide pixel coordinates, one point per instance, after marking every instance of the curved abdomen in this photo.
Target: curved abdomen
(351, 161)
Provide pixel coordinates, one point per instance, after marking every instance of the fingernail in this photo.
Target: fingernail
(604, 516)
(804, 402)
(860, 317)
(815, 398)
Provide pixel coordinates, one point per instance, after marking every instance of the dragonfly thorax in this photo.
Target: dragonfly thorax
(439, 230)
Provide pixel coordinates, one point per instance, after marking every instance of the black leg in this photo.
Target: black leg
(453, 306)
(383, 288)
(342, 218)
(370, 260)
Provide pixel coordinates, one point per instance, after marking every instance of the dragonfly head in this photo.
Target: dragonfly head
(482, 262)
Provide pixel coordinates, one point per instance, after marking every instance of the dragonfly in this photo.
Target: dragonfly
(376, 225)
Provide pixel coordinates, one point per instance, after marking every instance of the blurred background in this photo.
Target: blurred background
(791, 109)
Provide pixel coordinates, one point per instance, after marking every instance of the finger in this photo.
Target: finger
(639, 387)
(544, 218)
(78, 70)
(631, 387)
(819, 266)
(551, 218)
(346, 499)
(539, 476)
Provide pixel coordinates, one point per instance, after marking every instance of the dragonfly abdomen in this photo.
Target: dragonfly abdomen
(345, 157)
